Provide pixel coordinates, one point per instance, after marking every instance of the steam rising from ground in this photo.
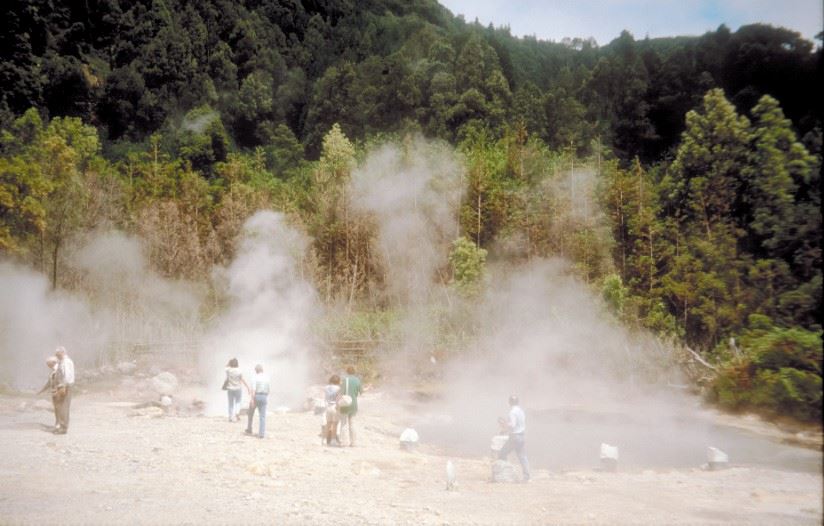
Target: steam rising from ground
(133, 303)
(33, 321)
(537, 331)
(543, 333)
(197, 124)
(413, 191)
(121, 306)
(270, 309)
(122, 303)
(545, 337)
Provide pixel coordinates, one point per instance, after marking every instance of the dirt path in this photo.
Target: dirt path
(113, 468)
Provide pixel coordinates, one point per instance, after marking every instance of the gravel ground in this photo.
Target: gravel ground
(119, 465)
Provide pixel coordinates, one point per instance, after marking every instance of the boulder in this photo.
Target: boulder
(164, 383)
(717, 459)
(609, 457)
(409, 439)
(503, 471)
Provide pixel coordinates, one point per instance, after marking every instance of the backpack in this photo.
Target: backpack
(346, 399)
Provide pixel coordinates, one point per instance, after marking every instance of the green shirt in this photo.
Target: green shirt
(350, 385)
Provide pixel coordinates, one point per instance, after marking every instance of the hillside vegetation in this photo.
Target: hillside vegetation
(176, 120)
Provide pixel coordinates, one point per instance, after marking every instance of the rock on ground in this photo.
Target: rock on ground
(164, 383)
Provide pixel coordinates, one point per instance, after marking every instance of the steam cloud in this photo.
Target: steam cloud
(270, 311)
(33, 321)
(413, 192)
(199, 123)
(122, 303)
(539, 332)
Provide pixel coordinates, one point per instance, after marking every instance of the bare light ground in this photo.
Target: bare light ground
(121, 466)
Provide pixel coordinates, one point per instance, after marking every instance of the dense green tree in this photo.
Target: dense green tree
(524, 101)
(705, 181)
(331, 103)
(780, 163)
(330, 225)
(785, 221)
(467, 261)
(23, 40)
(283, 151)
(253, 107)
(132, 65)
(202, 139)
(483, 212)
(23, 186)
(778, 370)
(124, 102)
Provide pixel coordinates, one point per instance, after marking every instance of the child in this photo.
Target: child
(331, 394)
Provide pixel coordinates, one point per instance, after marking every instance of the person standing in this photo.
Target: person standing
(64, 378)
(260, 397)
(331, 394)
(515, 425)
(233, 383)
(350, 386)
(51, 385)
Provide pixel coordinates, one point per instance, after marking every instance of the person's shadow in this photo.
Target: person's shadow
(28, 425)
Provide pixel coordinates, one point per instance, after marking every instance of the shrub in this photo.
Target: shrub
(780, 372)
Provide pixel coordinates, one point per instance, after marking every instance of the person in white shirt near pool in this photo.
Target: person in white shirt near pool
(515, 426)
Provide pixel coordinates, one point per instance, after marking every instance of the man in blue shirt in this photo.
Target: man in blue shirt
(515, 425)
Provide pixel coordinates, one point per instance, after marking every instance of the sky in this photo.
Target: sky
(605, 19)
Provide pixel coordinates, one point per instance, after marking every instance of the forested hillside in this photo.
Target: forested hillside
(276, 71)
(176, 120)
